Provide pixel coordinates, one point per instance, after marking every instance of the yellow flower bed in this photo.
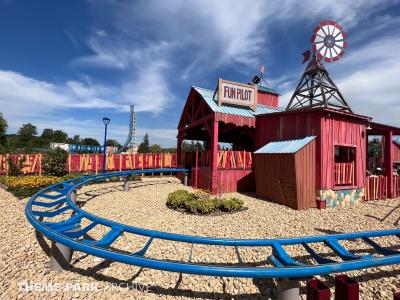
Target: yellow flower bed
(26, 186)
(29, 181)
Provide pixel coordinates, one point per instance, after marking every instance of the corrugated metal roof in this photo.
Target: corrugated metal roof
(267, 89)
(290, 146)
(232, 109)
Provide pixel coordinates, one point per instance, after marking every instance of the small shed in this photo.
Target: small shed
(285, 172)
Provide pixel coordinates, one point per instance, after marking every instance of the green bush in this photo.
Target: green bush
(72, 176)
(202, 202)
(230, 204)
(178, 199)
(206, 206)
(54, 162)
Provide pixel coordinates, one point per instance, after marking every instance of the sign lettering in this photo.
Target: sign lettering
(237, 93)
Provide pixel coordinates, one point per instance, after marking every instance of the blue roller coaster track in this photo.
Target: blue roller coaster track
(48, 204)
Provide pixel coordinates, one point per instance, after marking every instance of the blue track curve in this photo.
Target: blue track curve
(56, 199)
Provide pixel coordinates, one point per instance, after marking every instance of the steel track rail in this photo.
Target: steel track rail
(56, 200)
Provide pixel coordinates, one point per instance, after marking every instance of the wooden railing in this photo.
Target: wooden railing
(228, 159)
(91, 163)
(344, 173)
(396, 186)
(376, 187)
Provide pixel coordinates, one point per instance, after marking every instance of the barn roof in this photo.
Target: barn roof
(289, 146)
(207, 95)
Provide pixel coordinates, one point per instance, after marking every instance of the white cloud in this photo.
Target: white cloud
(24, 96)
(203, 36)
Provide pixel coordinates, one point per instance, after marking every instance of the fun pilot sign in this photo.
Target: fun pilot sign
(237, 93)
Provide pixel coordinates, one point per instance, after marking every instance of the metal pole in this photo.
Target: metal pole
(126, 184)
(185, 179)
(104, 148)
(60, 254)
(288, 289)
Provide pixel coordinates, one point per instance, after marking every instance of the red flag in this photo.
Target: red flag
(262, 69)
(306, 56)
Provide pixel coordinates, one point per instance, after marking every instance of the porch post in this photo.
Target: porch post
(214, 156)
(389, 162)
(178, 149)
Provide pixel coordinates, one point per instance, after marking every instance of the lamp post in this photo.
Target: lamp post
(106, 121)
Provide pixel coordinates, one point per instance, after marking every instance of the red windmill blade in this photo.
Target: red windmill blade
(329, 41)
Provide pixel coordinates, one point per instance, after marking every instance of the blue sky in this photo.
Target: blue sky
(66, 64)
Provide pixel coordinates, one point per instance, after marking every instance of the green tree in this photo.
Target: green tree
(59, 136)
(155, 148)
(26, 135)
(113, 143)
(192, 146)
(90, 142)
(144, 146)
(3, 129)
(77, 139)
(47, 134)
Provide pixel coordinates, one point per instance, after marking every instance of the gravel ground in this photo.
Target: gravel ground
(24, 254)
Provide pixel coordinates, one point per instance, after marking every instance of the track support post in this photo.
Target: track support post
(185, 179)
(126, 184)
(288, 289)
(61, 255)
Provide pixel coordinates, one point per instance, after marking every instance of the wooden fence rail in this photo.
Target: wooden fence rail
(396, 186)
(376, 187)
(235, 159)
(344, 173)
(91, 163)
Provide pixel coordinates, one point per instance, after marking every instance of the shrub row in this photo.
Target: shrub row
(202, 202)
(26, 186)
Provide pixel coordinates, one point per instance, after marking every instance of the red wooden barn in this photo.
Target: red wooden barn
(203, 119)
(247, 117)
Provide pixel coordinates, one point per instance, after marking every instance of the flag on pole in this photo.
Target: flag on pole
(306, 56)
(262, 69)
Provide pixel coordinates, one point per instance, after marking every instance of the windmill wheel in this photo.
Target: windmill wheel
(329, 41)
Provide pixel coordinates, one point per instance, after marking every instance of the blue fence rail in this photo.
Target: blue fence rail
(51, 202)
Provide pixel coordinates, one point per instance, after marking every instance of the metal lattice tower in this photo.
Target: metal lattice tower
(317, 90)
(130, 144)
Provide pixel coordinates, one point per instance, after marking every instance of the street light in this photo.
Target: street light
(106, 121)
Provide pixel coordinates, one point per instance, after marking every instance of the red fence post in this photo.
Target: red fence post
(346, 288)
(317, 290)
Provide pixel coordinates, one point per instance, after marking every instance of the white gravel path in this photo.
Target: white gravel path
(23, 260)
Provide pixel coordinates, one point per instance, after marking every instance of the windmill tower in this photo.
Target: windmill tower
(130, 144)
(316, 89)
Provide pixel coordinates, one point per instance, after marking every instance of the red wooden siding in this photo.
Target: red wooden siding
(267, 99)
(235, 181)
(335, 128)
(287, 178)
(235, 119)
